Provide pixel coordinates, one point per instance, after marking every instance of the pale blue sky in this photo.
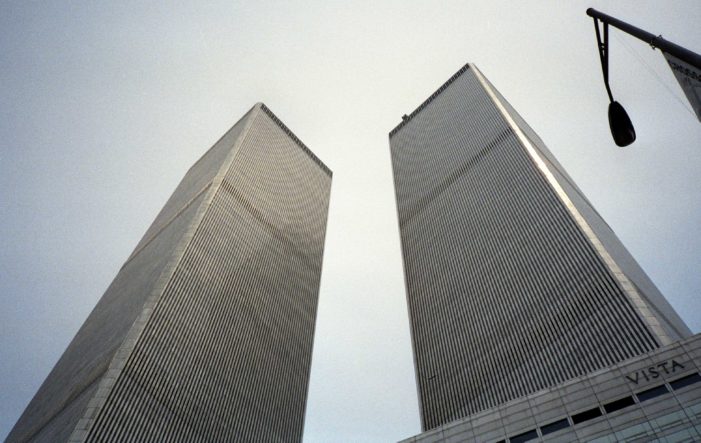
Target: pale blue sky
(105, 105)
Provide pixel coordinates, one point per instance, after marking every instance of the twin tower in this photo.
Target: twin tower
(517, 291)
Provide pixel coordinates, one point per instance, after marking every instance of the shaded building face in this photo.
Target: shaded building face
(206, 333)
(514, 283)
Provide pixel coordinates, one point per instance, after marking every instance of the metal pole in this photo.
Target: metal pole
(655, 41)
(604, 54)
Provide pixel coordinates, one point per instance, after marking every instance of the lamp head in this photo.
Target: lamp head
(621, 127)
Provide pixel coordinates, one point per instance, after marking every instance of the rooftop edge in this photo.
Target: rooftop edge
(296, 139)
(429, 99)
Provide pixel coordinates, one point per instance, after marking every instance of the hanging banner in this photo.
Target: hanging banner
(689, 79)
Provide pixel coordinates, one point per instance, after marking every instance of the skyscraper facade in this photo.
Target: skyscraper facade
(654, 397)
(514, 281)
(206, 332)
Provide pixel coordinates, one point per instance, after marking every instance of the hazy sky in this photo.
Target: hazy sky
(105, 105)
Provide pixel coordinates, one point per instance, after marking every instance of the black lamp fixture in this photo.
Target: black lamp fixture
(621, 127)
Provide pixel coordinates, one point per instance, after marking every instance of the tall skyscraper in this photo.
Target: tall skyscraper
(514, 281)
(206, 332)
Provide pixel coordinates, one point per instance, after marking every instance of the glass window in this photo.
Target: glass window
(619, 404)
(526, 436)
(684, 435)
(652, 393)
(669, 420)
(685, 381)
(694, 411)
(586, 415)
(605, 439)
(635, 431)
(554, 427)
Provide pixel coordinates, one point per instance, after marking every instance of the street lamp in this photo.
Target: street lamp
(685, 64)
